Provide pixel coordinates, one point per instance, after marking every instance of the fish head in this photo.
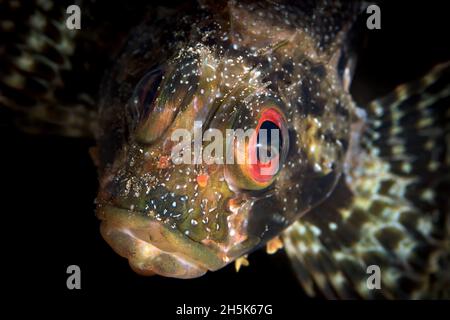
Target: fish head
(180, 196)
(216, 161)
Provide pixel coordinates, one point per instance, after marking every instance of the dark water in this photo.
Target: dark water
(49, 185)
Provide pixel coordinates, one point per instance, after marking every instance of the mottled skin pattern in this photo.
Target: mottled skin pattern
(240, 58)
(355, 186)
(232, 63)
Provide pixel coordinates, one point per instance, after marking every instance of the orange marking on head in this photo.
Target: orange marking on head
(202, 179)
(163, 162)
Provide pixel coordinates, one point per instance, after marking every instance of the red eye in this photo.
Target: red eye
(267, 147)
(260, 150)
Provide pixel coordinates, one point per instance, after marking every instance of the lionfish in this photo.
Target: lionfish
(356, 186)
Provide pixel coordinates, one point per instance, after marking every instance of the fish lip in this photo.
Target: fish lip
(152, 247)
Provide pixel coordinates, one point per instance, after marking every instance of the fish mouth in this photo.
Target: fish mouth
(154, 248)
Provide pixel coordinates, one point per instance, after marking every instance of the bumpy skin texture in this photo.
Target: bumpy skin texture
(357, 187)
(354, 177)
(223, 66)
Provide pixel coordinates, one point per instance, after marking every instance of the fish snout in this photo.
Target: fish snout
(153, 248)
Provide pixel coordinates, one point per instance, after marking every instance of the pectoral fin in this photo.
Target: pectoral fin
(391, 208)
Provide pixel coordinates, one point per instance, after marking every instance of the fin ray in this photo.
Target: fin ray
(391, 206)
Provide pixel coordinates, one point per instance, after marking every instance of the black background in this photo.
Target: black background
(49, 184)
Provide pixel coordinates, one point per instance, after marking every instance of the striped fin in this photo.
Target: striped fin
(391, 208)
(37, 82)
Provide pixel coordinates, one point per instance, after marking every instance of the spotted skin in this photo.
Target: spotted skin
(224, 71)
(355, 186)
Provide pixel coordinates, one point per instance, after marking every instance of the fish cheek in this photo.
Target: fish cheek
(266, 219)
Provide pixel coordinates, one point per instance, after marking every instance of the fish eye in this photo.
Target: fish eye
(265, 151)
(161, 94)
(146, 92)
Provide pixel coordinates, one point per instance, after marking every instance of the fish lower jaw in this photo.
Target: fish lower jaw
(152, 248)
(147, 259)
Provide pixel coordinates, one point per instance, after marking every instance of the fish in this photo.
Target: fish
(354, 186)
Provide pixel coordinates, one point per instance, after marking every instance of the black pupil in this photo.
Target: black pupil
(266, 146)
